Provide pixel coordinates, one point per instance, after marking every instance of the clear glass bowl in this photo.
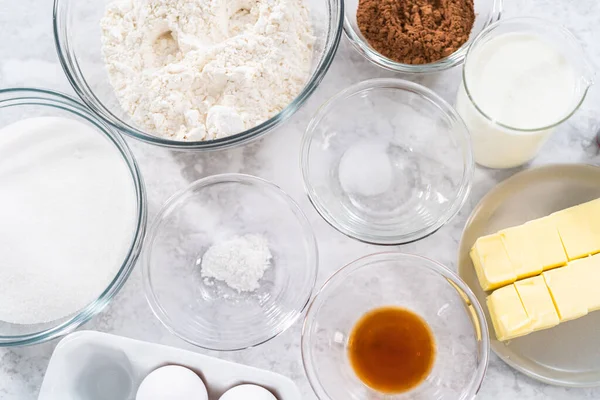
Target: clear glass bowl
(387, 161)
(209, 314)
(421, 285)
(18, 104)
(486, 12)
(77, 36)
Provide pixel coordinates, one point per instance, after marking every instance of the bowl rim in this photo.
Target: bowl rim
(76, 78)
(396, 239)
(16, 97)
(453, 279)
(454, 59)
(312, 264)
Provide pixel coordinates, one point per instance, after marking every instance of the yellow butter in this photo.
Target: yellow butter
(578, 234)
(592, 208)
(520, 244)
(587, 272)
(546, 243)
(492, 264)
(537, 302)
(565, 288)
(508, 315)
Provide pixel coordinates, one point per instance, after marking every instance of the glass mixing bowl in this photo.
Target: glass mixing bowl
(208, 313)
(486, 13)
(78, 41)
(19, 104)
(387, 161)
(412, 282)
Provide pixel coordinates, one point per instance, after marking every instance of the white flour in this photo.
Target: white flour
(240, 262)
(67, 212)
(205, 69)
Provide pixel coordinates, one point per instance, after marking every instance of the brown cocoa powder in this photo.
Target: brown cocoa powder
(416, 31)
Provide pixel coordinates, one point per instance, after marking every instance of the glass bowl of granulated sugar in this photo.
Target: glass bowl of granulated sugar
(417, 36)
(229, 263)
(196, 75)
(72, 212)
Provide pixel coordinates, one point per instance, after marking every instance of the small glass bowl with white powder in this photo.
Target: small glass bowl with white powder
(230, 262)
(73, 212)
(387, 161)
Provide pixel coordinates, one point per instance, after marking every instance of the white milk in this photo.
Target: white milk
(523, 82)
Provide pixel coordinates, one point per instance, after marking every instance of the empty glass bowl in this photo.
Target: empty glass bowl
(387, 161)
(77, 36)
(486, 13)
(412, 282)
(207, 312)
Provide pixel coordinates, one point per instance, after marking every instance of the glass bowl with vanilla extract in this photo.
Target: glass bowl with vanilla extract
(395, 326)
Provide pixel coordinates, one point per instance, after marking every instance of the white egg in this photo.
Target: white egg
(248, 392)
(172, 382)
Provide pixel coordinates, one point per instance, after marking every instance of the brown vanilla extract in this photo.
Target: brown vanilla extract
(391, 349)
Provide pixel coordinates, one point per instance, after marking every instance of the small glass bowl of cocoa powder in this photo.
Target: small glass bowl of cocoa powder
(417, 36)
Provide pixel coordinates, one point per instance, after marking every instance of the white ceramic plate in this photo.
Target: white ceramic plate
(98, 366)
(566, 355)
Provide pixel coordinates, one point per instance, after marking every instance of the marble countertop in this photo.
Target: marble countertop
(28, 58)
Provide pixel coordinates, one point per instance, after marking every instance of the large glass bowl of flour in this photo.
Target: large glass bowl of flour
(176, 119)
(73, 212)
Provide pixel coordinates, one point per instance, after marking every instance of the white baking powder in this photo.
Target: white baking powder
(240, 262)
(205, 69)
(67, 212)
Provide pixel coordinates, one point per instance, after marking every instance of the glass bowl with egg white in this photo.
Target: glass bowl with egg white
(387, 161)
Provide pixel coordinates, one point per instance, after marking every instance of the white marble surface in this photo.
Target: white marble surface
(27, 58)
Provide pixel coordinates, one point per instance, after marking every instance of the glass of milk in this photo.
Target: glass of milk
(521, 78)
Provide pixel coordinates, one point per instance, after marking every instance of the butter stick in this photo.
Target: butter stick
(565, 288)
(492, 264)
(538, 304)
(539, 245)
(578, 229)
(508, 315)
(587, 274)
(558, 295)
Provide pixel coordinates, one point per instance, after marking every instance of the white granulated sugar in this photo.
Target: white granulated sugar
(205, 69)
(240, 262)
(67, 212)
(365, 169)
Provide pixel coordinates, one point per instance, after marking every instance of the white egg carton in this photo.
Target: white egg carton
(98, 366)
